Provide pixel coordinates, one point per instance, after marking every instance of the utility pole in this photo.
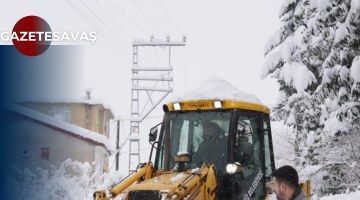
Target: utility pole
(141, 82)
(117, 144)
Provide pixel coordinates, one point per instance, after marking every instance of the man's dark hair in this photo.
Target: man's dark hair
(288, 175)
(215, 126)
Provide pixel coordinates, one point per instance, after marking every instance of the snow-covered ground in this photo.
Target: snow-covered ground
(349, 196)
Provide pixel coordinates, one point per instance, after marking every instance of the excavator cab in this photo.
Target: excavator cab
(234, 136)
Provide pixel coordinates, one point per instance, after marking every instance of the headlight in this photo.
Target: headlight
(231, 168)
(234, 168)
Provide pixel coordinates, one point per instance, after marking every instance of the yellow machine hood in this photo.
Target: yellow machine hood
(164, 181)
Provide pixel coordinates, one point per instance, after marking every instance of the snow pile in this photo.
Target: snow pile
(177, 177)
(72, 180)
(82, 132)
(216, 88)
(350, 196)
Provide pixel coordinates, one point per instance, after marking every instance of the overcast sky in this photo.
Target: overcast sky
(224, 38)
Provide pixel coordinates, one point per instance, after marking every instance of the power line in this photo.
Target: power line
(113, 19)
(110, 28)
(121, 28)
(148, 18)
(129, 18)
(110, 31)
(93, 25)
(103, 23)
(169, 16)
(157, 59)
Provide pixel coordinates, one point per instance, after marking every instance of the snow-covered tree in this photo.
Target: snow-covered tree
(315, 56)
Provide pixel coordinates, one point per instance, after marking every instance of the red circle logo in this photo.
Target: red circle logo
(31, 36)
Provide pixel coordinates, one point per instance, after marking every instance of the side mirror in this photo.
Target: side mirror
(234, 168)
(153, 134)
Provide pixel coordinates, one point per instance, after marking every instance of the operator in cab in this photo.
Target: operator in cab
(213, 147)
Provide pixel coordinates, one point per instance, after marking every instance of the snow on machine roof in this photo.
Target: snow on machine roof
(216, 89)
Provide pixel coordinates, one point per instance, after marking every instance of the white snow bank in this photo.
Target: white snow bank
(82, 132)
(216, 88)
(177, 177)
(72, 180)
(350, 196)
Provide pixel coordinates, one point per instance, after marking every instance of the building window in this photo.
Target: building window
(45, 153)
(25, 152)
(62, 113)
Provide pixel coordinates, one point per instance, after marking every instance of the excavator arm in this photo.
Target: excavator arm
(144, 170)
(199, 184)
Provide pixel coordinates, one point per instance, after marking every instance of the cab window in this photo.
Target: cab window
(247, 152)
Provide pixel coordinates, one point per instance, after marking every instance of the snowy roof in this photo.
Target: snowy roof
(216, 88)
(83, 100)
(84, 134)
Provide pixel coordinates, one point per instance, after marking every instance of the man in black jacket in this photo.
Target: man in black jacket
(213, 147)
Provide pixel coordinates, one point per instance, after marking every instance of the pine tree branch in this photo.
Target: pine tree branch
(336, 163)
(352, 147)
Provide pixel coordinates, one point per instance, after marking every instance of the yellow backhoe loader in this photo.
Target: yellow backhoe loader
(207, 149)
